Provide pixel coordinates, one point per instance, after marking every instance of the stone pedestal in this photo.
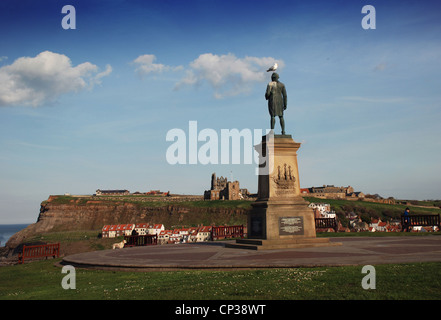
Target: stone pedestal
(280, 217)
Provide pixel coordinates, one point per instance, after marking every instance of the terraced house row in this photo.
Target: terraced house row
(116, 230)
(183, 235)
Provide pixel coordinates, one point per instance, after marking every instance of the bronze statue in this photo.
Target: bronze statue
(277, 100)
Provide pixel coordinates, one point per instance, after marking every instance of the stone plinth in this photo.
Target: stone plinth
(280, 217)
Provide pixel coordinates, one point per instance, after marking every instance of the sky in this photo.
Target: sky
(91, 107)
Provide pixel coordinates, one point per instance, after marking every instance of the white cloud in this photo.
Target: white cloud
(97, 79)
(227, 74)
(146, 65)
(37, 80)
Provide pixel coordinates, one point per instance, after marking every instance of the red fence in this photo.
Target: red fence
(141, 240)
(226, 232)
(39, 251)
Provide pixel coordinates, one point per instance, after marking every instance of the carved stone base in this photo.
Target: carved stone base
(280, 217)
(281, 220)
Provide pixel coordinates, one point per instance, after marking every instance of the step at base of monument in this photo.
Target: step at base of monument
(261, 244)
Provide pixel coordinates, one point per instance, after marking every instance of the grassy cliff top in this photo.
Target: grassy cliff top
(150, 201)
(362, 208)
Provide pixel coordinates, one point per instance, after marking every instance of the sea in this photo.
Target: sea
(8, 230)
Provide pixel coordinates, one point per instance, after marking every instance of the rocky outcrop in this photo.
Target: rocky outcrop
(83, 214)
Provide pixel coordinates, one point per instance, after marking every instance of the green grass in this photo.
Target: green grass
(233, 204)
(65, 236)
(373, 207)
(151, 201)
(42, 280)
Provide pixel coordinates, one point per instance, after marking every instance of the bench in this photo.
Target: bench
(140, 240)
(428, 220)
(224, 232)
(39, 251)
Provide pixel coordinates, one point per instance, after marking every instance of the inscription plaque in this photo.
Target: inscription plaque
(289, 226)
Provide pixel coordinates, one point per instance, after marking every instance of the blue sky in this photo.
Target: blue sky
(90, 108)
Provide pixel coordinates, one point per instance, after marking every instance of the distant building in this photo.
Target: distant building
(356, 195)
(112, 192)
(332, 192)
(379, 199)
(222, 189)
(157, 193)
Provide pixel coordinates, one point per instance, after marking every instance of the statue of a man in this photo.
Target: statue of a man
(277, 100)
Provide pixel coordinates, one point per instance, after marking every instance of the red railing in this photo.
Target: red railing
(321, 223)
(39, 251)
(224, 232)
(420, 220)
(141, 240)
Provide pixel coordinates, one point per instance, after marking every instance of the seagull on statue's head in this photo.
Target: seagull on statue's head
(273, 68)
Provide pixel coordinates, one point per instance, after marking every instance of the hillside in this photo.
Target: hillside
(70, 214)
(367, 210)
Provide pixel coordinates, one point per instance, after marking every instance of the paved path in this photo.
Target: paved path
(213, 255)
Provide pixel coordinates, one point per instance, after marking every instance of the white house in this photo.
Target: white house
(374, 225)
(112, 231)
(124, 229)
(175, 237)
(184, 233)
(192, 234)
(324, 209)
(164, 236)
(382, 226)
(321, 207)
(141, 228)
(155, 228)
(105, 231)
(329, 214)
(204, 234)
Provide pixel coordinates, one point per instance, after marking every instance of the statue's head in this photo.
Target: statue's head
(274, 76)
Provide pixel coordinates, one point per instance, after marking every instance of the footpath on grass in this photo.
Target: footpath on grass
(214, 255)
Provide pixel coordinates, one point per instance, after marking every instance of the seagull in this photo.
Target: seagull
(273, 68)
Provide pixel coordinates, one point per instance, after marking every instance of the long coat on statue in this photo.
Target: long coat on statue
(277, 99)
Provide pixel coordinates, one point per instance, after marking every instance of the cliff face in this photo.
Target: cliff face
(94, 214)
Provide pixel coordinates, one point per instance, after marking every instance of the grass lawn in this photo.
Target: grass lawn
(42, 280)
